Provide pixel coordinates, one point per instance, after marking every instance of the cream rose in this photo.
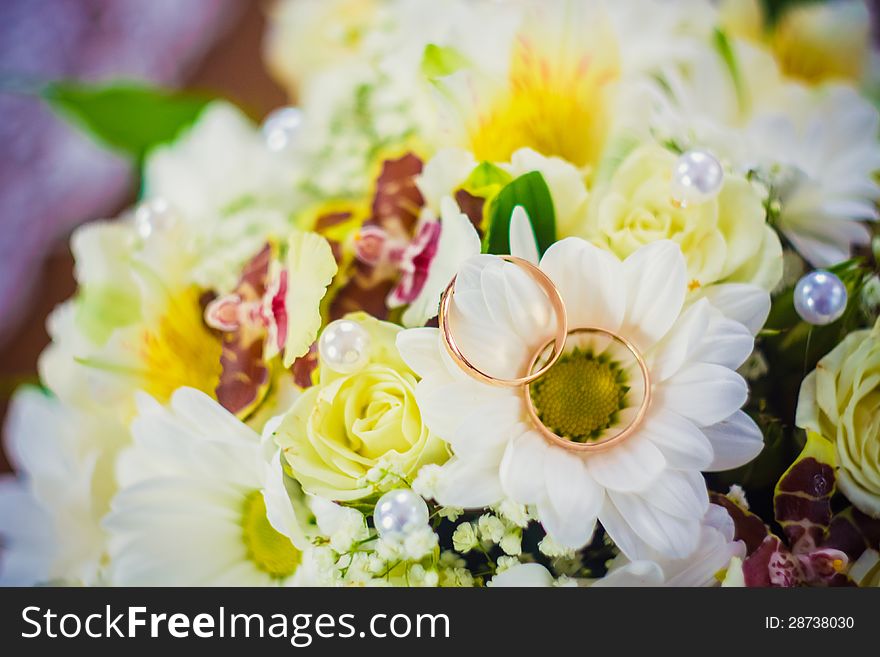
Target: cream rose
(346, 424)
(725, 239)
(840, 400)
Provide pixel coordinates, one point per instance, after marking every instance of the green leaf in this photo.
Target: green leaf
(440, 61)
(531, 192)
(127, 116)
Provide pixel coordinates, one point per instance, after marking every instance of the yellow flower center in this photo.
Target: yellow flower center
(271, 552)
(179, 350)
(552, 105)
(580, 396)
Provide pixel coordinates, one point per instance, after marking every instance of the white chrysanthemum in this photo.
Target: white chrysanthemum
(227, 192)
(203, 501)
(647, 491)
(713, 555)
(50, 515)
(822, 155)
(816, 147)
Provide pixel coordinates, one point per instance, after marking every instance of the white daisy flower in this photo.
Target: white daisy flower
(646, 490)
(817, 147)
(203, 502)
(50, 512)
(714, 553)
(822, 155)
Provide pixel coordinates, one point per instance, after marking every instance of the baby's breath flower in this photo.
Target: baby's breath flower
(504, 563)
(551, 548)
(425, 483)
(514, 513)
(464, 538)
(389, 549)
(457, 577)
(450, 559)
(511, 542)
(451, 513)
(491, 529)
(419, 543)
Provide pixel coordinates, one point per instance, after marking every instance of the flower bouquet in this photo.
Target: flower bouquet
(519, 293)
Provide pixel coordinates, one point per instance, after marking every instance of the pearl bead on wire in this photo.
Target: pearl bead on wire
(398, 512)
(696, 178)
(344, 346)
(820, 298)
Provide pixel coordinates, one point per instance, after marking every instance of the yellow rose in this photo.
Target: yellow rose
(725, 239)
(840, 400)
(346, 424)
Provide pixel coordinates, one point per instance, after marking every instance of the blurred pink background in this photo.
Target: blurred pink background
(54, 178)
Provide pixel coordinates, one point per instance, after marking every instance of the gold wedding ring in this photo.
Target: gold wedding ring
(605, 442)
(558, 344)
(559, 341)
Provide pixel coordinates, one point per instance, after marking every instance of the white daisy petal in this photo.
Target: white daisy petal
(525, 575)
(679, 493)
(671, 535)
(590, 282)
(522, 236)
(704, 393)
(684, 446)
(656, 283)
(469, 484)
(747, 304)
(523, 458)
(572, 501)
(735, 442)
(420, 350)
(675, 349)
(636, 573)
(630, 466)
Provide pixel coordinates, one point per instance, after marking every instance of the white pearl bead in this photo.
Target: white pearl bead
(281, 127)
(820, 298)
(151, 216)
(344, 346)
(696, 178)
(399, 511)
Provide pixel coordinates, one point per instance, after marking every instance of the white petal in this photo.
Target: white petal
(747, 304)
(636, 573)
(470, 401)
(679, 493)
(524, 574)
(671, 535)
(499, 315)
(735, 441)
(522, 236)
(726, 342)
(676, 348)
(522, 468)
(469, 484)
(420, 350)
(704, 393)
(590, 282)
(656, 282)
(573, 499)
(630, 466)
(683, 445)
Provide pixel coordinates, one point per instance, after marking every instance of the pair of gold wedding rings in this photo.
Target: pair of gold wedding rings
(532, 374)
